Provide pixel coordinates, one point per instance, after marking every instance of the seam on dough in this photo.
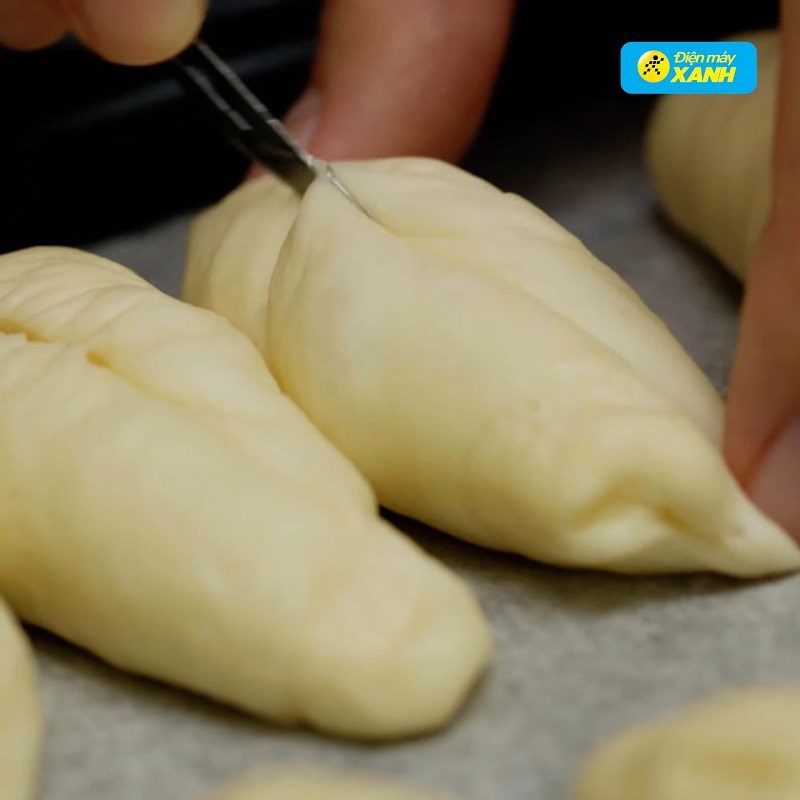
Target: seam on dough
(434, 258)
(211, 418)
(9, 328)
(97, 359)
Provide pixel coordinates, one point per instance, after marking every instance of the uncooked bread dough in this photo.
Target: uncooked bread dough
(487, 374)
(20, 714)
(297, 785)
(741, 745)
(710, 158)
(166, 507)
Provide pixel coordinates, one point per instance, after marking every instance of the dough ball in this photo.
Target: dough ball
(166, 507)
(711, 160)
(20, 714)
(299, 785)
(485, 372)
(740, 745)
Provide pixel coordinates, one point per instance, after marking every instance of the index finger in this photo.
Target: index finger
(135, 31)
(124, 31)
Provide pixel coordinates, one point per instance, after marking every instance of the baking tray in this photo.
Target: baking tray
(579, 655)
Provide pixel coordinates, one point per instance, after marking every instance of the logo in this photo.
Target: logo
(688, 67)
(653, 66)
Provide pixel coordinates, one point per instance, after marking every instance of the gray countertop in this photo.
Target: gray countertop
(579, 655)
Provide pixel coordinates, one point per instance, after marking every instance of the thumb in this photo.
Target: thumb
(401, 77)
(134, 31)
(763, 424)
(762, 438)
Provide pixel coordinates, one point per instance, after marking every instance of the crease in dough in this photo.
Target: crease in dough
(739, 745)
(20, 713)
(169, 509)
(484, 371)
(296, 784)
(710, 160)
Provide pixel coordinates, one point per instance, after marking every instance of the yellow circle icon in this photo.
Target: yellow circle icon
(653, 66)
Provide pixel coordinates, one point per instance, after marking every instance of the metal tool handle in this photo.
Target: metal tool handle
(248, 123)
(242, 117)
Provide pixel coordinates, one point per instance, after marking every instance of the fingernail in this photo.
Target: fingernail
(302, 119)
(255, 170)
(775, 487)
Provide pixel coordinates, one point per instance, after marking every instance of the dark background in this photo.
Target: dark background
(90, 149)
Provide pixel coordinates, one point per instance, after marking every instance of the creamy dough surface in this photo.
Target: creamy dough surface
(166, 507)
(20, 714)
(740, 745)
(485, 372)
(297, 785)
(710, 159)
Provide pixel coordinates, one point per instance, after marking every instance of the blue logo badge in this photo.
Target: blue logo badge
(688, 67)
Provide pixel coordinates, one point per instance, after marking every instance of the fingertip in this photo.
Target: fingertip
(255, 171)
(303, 118)
(763, 420)
(405, 77)
(775, 486)
(138, 32)
(30, 24)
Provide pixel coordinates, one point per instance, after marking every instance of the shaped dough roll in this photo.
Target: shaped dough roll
(20, 714)
(166, 507)
(710, 159)
(485, 372)
(740, 745)
(297, 785)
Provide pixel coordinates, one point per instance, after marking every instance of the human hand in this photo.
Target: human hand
(125, 31)
(762, 441)
(401, 77)
(763, 425)
(391, 77)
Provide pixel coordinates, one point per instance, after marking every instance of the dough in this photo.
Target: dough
(741, 745)
(20, 715)
(167, 508)
(711, 160)
(485, 372)
(296, 785)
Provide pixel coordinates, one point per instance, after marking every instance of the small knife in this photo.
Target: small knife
(247, 122)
